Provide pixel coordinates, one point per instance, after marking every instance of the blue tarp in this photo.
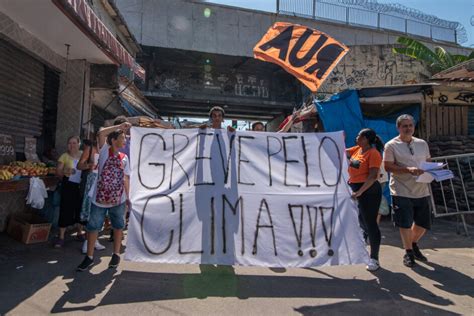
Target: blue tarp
(343, 112)
(386, 127)
(129, 108)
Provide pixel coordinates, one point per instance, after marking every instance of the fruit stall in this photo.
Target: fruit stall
(14, 185)
(15, 176)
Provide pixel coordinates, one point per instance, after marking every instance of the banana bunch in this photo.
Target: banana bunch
(27, 164)
(5, 175)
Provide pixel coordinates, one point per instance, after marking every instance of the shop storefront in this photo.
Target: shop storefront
(47, 51)
(29, 97)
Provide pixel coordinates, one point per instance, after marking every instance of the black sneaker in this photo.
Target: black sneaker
(409, 260)
(86, 264)
(114, 261)
(418, 255)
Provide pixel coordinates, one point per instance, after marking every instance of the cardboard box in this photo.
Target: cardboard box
(28, 228)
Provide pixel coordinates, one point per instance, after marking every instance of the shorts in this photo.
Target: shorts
(86, 200)
(409, 210)
(97, 217)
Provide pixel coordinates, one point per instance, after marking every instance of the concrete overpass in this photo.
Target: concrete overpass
(184, 24)
(190, 44)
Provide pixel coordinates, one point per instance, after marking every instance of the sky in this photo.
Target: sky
(461, 11)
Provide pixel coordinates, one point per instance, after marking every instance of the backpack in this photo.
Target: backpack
(110, 185)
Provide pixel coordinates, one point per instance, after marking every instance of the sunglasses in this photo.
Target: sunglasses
(412, 150)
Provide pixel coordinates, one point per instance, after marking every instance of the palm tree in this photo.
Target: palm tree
(436, 61)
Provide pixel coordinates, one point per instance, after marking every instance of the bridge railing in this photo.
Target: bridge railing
(321, 10)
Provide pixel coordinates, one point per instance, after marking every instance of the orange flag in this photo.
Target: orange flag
(307, 54)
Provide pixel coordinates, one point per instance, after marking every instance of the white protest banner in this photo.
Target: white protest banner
(256, 199)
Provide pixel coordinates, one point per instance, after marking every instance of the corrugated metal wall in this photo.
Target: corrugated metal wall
(21, 94)
(50, 109)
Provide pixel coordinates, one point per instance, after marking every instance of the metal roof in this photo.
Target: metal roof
(461, 72)
(394, 90)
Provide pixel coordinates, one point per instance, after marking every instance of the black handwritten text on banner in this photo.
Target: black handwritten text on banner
(263, 199)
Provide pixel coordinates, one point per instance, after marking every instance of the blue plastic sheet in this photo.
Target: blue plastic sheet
(129, 108)
(386, 127)
(342, 113)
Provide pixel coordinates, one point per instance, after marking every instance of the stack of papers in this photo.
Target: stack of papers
(434, 171)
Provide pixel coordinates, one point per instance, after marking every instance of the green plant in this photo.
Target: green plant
(436, 61)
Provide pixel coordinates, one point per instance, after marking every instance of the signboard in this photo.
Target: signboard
(256, 199)
(7, 149)
(307, 54)
(30, 149)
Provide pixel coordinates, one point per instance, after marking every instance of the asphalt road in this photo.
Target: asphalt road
(37, 279)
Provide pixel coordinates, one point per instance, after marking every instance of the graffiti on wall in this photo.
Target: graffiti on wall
(227, 84)
(251, 86)
(442, 95)
(465, 97)
(368, 66)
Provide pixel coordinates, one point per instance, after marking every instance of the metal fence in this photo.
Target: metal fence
(321, 10)
(455, 196)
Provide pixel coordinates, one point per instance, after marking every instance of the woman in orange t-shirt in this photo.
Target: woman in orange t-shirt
(364, 168)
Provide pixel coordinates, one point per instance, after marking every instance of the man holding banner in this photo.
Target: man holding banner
(216, 117)
(258, 127)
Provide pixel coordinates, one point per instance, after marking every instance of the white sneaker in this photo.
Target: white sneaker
(84, 247)
(373, 265)
(99, 246)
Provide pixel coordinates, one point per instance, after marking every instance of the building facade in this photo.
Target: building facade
(55, 56)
